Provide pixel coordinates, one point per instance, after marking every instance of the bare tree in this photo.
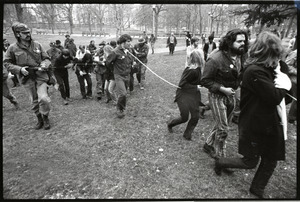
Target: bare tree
(157, 9)
(19, 11)
(47, 12)
(66, 13)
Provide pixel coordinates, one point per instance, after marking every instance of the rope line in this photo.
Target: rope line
(154, 72)
(292, 97)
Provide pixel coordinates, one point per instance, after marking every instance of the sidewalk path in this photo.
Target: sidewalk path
(166, 50)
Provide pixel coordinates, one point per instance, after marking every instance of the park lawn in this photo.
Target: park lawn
(89, 153)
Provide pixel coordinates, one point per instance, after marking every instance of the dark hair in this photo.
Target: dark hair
(58, 42)
(227, 41)
(123, 38)
(113, 43)
(65, 52)
(211, 37)
(194, 38)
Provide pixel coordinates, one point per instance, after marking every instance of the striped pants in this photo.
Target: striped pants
(222, 110)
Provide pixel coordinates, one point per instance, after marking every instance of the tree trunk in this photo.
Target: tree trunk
(19, 11)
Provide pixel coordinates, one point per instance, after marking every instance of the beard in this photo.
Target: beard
(238, 51)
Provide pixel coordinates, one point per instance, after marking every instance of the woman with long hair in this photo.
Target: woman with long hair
(261, 132)
(188, 96)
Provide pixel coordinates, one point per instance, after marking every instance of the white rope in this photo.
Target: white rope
(292, 97)
(154, 72)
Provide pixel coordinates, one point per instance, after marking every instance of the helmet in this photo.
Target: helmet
(18, 27)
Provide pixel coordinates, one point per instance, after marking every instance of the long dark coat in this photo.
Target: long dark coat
(260, 129)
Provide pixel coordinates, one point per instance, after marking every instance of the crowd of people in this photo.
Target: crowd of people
(249, 81)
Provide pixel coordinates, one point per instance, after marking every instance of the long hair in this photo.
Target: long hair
(266, 50)
(196, 58)
(227, 41)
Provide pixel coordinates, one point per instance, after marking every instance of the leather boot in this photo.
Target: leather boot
(46, 122)
(40, 122)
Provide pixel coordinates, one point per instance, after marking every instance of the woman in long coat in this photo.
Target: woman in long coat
(261, 129)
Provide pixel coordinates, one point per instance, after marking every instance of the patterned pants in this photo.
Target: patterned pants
(222, 109)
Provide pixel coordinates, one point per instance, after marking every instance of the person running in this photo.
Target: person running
(221, 78)
(262, 121)
(188, 96)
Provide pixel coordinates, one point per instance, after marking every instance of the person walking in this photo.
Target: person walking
(209, 47)
(109, 86)
(6, 91)
(84, 64)
(188, 38)
(100, 70)
(67, 40)
(71, 47)
(30, 62)
(221, 78)
(171, 43)
(262, 121)
(62, 64)
(13, 77)
(188, 95)
(58, 45)
(152, 41)
(122, 62)
(141, 50)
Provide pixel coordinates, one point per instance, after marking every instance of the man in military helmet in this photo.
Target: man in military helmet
(28, 59)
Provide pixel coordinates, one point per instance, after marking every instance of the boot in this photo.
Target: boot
(46, 122)
(40, 122)
(188, 132)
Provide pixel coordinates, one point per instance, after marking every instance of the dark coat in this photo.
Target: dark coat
(205, 49)
(188, 91)
(260, 130)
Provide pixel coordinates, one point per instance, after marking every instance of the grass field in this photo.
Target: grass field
(89, 153)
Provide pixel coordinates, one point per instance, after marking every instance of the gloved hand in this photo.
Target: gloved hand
(81, 73)
(282, 80)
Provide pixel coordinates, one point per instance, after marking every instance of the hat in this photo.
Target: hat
(20, 27)
(141, 40)
(103, 43)
(67, 35)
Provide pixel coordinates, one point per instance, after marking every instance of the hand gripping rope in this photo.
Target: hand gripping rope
(153, 71)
